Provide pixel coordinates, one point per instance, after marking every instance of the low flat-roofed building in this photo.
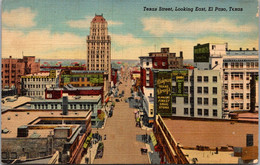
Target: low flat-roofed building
(197, 140)
(34, 134)
(12, 102)
(212, 133)
(92, 103)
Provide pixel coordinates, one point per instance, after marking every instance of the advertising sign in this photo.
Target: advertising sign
(179, 88)
(201, 53)
(163, 90)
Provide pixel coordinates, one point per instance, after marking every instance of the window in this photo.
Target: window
(191, 89)
(215, 90)
(206, 79)
(215, 112)
(247, 95)
(186, 100)
(173, 110)
(215, 101)
(4, 154)
(186, 89)
(225, 65)
(206, 101)
(206, 112)
(174, 89)
(199, 112)
(241, 65)
(216, 62)
(163, 63)
(199, 101)
(186, 78)
(174, 78)
(206, 90)
(232, 64)
(173, 99)
(191, 78)
(215, 79)
(191, 100)
(191, 111)
(199, 79)
(13, 155)
(186, 111)
(199, 90)
(147, 63)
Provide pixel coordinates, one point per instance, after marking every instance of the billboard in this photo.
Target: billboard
(163, 91)
(179, 88)
(201, 53)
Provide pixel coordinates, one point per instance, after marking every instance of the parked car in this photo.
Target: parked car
(117, 100)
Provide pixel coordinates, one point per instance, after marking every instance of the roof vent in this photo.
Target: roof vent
(9, 118)
(28, 113)
(76, 113)
(240, 49)
(16, 114)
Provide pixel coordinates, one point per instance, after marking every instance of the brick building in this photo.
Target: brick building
(13, 69)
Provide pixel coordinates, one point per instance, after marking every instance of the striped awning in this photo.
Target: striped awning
(87, 141)
(154, 141)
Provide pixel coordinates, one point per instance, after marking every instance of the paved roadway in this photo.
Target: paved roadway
(121, 146)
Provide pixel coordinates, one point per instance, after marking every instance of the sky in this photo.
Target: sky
(57, 29)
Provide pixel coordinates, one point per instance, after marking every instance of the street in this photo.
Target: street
(121, 146)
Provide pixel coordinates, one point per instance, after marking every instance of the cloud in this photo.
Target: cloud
(126, 40)
(159, 26)
(19, 18)
(111, 23)
(40, 43)
(82, 23)
(85, 23)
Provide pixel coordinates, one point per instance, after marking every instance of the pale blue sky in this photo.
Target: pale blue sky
(58, 28)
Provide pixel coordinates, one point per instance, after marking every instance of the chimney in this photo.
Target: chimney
(181, 54)
(247, 49)
(240, 49)
(10, 56)
(65, 105)
(253, 48)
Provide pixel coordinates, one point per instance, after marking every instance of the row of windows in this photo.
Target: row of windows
(206, 90)
(58, 106)
(38, 79)
(35, 93)
(206, 79)
(199, 112)
(206, 101)
(241, 65)
(36, 86)
(199, 100)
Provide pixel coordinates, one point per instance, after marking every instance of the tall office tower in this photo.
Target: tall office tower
(99, 48)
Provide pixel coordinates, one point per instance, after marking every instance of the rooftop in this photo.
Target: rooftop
(12, 119)
(70, 99)
(13, 102)
(211, 133)
(209, 157)
(99, 19)
(87, 71)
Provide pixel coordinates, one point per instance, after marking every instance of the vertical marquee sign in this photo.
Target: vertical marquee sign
(179, 76)
(163, 91)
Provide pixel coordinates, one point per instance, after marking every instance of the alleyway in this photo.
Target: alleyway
(121, 146)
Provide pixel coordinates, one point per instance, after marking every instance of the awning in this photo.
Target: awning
(151, 121)
(107, 99)
(87, 141)
(154, 141)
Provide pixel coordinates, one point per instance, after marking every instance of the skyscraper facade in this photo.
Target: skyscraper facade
(99, 48)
